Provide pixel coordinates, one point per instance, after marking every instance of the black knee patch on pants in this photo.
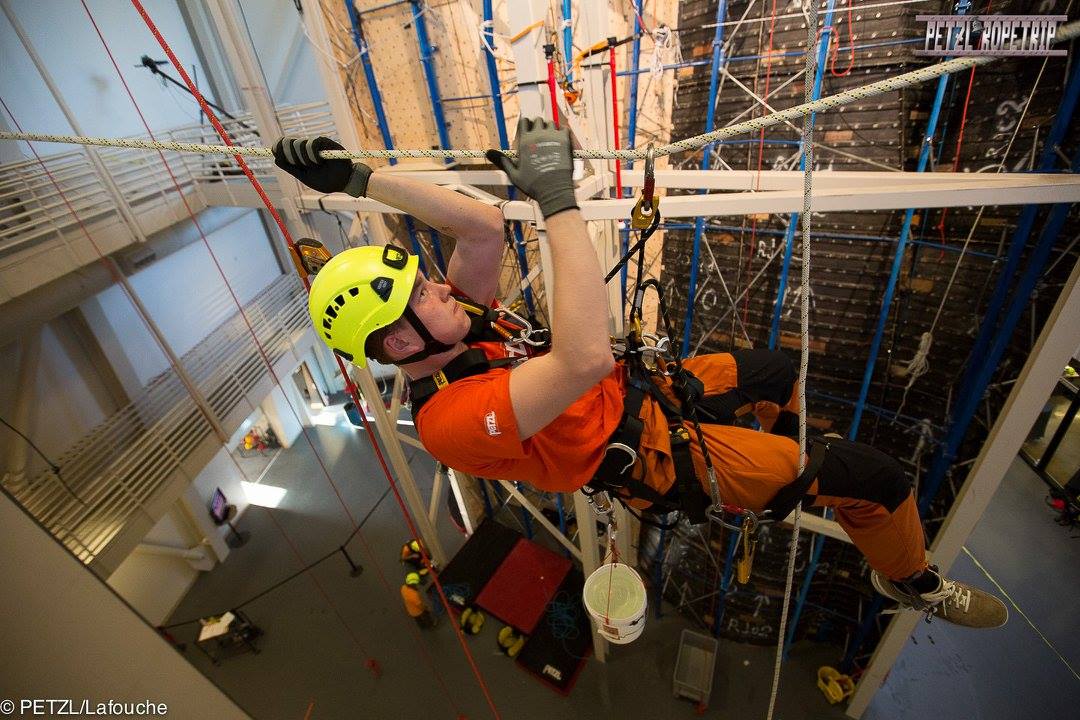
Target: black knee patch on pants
(766, 374)
(862, 472)
(763, 375)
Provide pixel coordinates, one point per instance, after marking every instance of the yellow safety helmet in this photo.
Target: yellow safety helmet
(412, 579)
(359, 291)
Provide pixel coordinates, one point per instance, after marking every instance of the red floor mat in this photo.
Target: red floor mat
(520, 589)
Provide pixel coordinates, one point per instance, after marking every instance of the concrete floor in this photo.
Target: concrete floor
(321, 629)
(948, 671)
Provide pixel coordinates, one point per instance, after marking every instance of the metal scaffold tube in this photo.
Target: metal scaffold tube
(710, 119)
(905, 234)
(488, 36)
(427, 61)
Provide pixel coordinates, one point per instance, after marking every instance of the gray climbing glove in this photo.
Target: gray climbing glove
(544, 169)
(300, 158)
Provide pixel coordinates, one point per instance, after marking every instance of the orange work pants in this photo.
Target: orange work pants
(868, 489)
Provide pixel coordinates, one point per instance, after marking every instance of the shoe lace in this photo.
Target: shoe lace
(949, 594)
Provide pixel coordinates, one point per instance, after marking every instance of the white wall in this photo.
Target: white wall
(155, 584)
(286, 56)
(185, 296)
(69, 398)
(66, 635)
(286, 411)
(88, 81)
(61, 33)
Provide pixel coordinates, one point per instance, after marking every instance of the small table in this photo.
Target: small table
(231, 630)
(237, 538)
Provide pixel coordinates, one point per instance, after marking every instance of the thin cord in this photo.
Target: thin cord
(1022, 613)
(52, 466)
(920, 364)
(55, 468)
(370, 663)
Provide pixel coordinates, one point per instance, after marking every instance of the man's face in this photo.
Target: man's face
(439, 312)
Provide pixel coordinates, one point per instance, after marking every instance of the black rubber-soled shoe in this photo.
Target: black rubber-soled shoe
(953, 601)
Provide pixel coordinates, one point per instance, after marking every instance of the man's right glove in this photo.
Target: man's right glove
(544, 169)
(300, 158)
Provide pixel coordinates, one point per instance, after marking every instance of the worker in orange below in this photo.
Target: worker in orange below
(412, 555)
(489, 402)
(414, 602)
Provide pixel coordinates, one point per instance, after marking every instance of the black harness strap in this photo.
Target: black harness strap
(793, 493)
(616, 469)
(469, 363)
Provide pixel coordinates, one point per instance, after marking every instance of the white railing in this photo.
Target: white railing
(115, 470)
(32, 211)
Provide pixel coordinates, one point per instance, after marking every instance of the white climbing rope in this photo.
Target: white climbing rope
(919, 364)
(908, 79)
(804, 339)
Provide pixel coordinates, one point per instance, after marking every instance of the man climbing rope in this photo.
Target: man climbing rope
(488, 401)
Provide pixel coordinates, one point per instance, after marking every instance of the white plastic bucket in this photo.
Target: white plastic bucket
(616, 600)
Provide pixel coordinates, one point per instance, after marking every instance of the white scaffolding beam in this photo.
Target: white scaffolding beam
(839, 192)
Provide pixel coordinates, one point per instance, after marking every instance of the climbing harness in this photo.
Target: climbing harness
(615, 475)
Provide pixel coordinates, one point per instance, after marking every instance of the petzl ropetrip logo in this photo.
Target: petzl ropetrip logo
(990, 35)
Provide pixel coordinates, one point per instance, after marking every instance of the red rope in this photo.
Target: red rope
(615, 120)
(959, 143)
(551, 91)
(351, 389)
(251, 331)
(851, 46)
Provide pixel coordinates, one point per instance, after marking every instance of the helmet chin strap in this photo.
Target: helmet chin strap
(431, 345)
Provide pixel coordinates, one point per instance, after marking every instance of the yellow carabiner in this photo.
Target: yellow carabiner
(749, 545)
(648, 204)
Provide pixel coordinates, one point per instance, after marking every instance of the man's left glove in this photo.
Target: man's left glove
(300, 158)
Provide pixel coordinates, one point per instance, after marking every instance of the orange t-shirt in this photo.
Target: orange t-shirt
(470, 426)
(414, 603)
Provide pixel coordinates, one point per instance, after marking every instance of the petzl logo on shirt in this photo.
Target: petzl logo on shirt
(492, 424)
